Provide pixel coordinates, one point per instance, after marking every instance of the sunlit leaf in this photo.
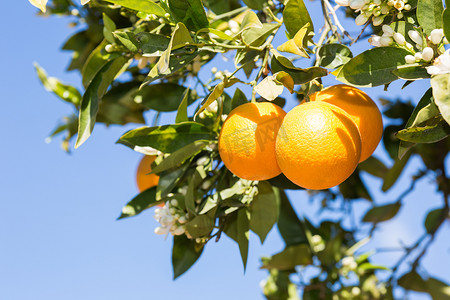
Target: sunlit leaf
(295, 16)
(264, 210)
(332, 56)
(141, 202)
(146, 6)
(429, 14)
(189, 12)
(269, 88)
(182, 114)
(441, 94)
(41, 4)
(291, 228)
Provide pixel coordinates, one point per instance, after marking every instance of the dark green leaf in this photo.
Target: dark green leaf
(189, 12)
(441, 94)
(82, 44)
(411, 72)
(434, 219)
(289, 258)
(141, 202)
(381, 213)
(163, 96)
(146, 6)
(394, 172)
(279, 286)
(264, 210)
(94, 63)
(291, 228)
(370, 267)
(354, 188)
(168, 180)
(93, 95)
(65, 92)
(239, 98)
(374, 167)
(151, 44)
(216, 93)
(191, 195)
(429, 14)
(437, 289)
(332, 56)
(446, 22)
(242, 234)
(128, 39)
(167, 138)
(367, 69)
(185, 253)
(295, 16)
(200, 226)
(432, 133)
(300, 76)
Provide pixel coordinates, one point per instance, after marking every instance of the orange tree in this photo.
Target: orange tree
(139, 55)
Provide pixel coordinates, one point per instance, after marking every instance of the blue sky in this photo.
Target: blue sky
(60, 238)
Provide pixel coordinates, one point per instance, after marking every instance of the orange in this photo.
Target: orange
(318, 145)
(143, 179)
(362, 110)
(247, 140)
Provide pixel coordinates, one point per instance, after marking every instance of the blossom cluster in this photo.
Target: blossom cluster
(376, 9)
(172, 219)
(426, 49)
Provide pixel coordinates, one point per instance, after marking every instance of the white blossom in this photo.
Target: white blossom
(361, 19)
(427, 54)
(386, 41)
(375, 41)
(212, 107)
(441, 64)
(410, 59)
(418, 56)
(343, 2)
(387, 30)
(416, 37)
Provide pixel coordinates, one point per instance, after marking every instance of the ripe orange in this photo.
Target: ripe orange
(247, 140)
(362, 110)
(318, 145)
(143, 179)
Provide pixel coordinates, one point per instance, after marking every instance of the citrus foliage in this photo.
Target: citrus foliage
(136, 56)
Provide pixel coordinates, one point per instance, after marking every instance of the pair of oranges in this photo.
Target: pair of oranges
(317, 145)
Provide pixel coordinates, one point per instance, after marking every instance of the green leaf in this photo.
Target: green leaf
(264, 210)
(178, 157)
(332, 56)
(280, 63)
(441, 94)
(82, 44)
(279, 286)
(381, 213)
(297, 43)
(411, 72)
(94, 63)
(65, 92)
(434, 219)
(94, 93)
(255, 36)
(436, 131)
(374, 167)
(423, 111)
(167, 138)
(220, 34)
(185, 253)
(200, 226)
(216, 93)
(191, 195)
(403, 28)
(239, 98)
(435, 288)
(128, 39)
(289, 258)
(168, 180)
(295, 16)
(255, 4)
(163, 97)
(189, 12)
(108, 27)
(291, 228)
(394, 172)
(141, 202)
(370, 267)
(429, 14)
(150, 44)
(354, 188)
(446, 22)
(182, 113)
(242, 234)
(146, 6)
(367, 69)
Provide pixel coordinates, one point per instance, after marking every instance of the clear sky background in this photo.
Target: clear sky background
(58, 230)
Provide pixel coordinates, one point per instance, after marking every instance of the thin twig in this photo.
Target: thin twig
(336, 19)
(362, 31)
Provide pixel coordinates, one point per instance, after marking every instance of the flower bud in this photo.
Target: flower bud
(182, 220)
(376, 21)
(418, 56)
(166, 15)
(384, 10)
(410, 59)
(407, 7)
(399, 39)
(399, 15)
(361, 19)
(109, 48)
(174, 202)
(161, 230)
(436, 36)
(427, 54)
(166, 221)
(388, 31)
(214, 70)
(356, 4)
(416, 37)
(386, 41)
(212, 107)
(377, 2)
(178, 231)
